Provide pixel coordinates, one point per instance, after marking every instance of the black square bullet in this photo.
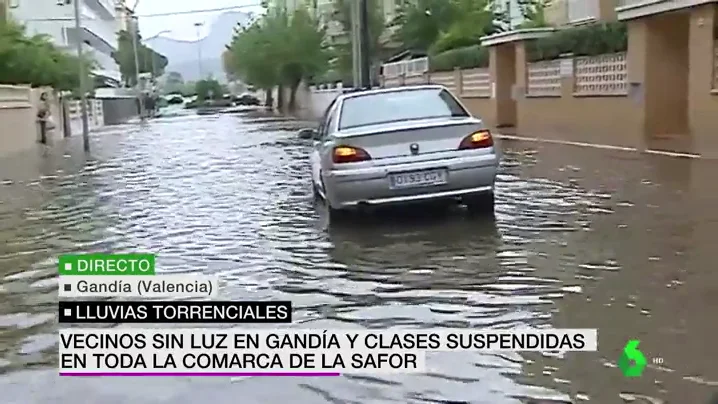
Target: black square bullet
(68, 288)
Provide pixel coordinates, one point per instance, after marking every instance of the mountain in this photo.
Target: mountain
(183, 55)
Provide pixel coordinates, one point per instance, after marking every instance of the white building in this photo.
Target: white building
(55, 18)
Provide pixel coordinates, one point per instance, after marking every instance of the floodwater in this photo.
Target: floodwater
(589, 238)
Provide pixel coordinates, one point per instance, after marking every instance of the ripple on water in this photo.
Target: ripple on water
(230, 196)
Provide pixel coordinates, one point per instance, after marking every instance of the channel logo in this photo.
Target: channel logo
(632, 362)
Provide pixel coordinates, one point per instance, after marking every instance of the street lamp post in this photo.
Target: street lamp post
(199, 50)
(81, 72)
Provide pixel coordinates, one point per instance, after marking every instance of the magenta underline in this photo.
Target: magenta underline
(216, 374)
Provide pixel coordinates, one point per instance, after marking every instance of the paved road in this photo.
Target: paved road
(583, 238)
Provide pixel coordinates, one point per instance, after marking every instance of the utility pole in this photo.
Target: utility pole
(365, 59)
(83, 77)
(360, 44)
(135, 33)
(199, 51)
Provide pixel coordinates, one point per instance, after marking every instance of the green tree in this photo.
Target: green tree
(420, 23)
(36, 61)
(474, 19)
(533, 13)
(305, 56)
(209, 89)
(437, 26)
(174, 83)
(278, 50)
(228, 65)
(188, 89)
(148, 60)
(251, 57)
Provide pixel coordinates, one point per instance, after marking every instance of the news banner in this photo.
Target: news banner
(239, 350)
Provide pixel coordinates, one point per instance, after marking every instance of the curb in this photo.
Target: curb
(602, 146)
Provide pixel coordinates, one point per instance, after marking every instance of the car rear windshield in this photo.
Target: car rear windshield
(395, 106)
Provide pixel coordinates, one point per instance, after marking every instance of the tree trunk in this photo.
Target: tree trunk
(293, 97)
(280, 97)
(268, 99)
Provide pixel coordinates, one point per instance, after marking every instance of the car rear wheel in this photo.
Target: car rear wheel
(335, 215)
(480, 204)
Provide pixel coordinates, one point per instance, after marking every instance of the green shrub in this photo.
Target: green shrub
(34, 60)
(587, 40)
(463, 58)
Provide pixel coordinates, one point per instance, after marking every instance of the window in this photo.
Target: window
(331, 121)
(402, 105)
(579, 10)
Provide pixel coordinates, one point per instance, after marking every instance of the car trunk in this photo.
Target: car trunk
(395, 140)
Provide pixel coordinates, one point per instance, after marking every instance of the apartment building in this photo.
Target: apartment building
(55, 18)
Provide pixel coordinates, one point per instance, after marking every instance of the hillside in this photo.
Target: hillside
(183, 55)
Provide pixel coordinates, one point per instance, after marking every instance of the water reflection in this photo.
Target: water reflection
(581, 238)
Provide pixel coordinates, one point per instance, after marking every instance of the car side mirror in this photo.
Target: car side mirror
(307, 133)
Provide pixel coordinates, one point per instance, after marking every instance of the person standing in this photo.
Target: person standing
(44, 116)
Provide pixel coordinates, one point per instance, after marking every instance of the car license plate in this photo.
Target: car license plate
(418, 179)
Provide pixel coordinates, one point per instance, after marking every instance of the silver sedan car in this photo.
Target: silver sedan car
(402, 145)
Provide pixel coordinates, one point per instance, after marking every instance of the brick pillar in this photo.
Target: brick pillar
(502, 69)
(568, 78)
(520, 87)
(702, 104)
(637, 60)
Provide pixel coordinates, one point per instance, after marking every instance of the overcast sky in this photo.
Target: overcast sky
(182, 26)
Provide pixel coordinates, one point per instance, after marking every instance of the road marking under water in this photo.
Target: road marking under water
(600, 146)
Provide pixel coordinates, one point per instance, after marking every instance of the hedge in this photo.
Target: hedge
(588, 40)
(463, 58)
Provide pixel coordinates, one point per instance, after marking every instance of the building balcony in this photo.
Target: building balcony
(104, 8)
(630, 9)
(105, 65)
(100, 34)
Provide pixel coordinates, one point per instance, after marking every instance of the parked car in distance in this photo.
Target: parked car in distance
(246, 99)
(402, 145)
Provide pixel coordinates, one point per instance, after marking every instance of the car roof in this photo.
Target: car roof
(360, 93)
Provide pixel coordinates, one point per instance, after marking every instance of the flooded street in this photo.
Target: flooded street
(583, 238)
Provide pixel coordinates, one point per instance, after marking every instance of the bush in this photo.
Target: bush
(209, 89)
(34, 60)
(463, 58)
(588, 40)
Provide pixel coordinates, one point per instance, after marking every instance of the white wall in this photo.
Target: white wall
(57, 21)
(312, 102)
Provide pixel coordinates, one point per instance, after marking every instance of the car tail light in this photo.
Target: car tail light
(477, 140)
(349, 154)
